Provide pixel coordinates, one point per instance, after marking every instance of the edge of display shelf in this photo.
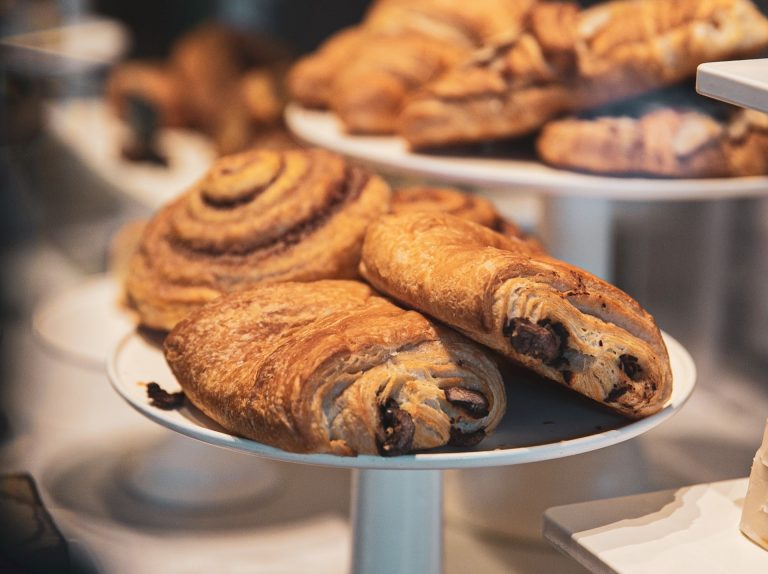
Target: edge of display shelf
(390, 154)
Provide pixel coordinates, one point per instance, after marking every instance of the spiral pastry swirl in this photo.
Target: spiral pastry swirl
(257, 217)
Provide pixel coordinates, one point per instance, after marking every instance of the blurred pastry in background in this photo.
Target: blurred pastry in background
(153, 82)
(218, 80)
(311, 78)
(569, 60)
(365, 74)
(669, 142)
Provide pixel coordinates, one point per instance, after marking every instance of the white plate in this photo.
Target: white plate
(543, 421)
(94, 134)
(84, 323)
(391, 154)
(691, 529)
(740, 82)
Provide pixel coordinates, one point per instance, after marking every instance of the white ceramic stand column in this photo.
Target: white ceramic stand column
(579, 230)
(397, 521)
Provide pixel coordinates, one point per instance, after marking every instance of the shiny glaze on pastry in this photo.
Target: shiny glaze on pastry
(259, 216)
(569, 59)
(551, 317)
(330, 367)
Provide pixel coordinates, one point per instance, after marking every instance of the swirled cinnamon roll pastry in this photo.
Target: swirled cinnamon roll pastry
(568, 60)
(329, 367)
(551, 317)
(257, 217)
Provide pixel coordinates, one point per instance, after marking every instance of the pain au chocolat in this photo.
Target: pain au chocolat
(329, 367)
(256, 217)
(567, 59)
(551, 317)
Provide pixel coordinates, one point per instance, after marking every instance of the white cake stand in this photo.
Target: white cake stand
(578, 208)
(397, 502)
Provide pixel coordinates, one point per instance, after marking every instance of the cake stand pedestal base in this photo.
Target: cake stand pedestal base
(397, 521)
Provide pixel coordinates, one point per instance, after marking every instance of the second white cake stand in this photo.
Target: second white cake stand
(578, 207)
(397, 501)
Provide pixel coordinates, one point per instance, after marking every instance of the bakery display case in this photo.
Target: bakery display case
(393, 286)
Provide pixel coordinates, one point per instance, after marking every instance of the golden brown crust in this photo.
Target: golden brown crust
(257, 217)
(472, 207)
(560, 321)
(571, 60)
(369, 91)
(365, 73)
(665, 142)
(329, 367)
(309, 81)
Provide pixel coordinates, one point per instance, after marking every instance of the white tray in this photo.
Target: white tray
(691, 529)
(390, 153)
(740, 82)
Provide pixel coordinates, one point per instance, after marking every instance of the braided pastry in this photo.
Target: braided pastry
(555, 319)
(257, 217)
(329, 367)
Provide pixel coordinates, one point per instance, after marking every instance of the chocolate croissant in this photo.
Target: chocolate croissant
(551, 317)
(568, 60)
(329, 367)
(256, 217)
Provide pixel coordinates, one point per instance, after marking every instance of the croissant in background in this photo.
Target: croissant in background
(256, 217)
(329, 367)
(558, 320)
(569, 60)
(365, 73)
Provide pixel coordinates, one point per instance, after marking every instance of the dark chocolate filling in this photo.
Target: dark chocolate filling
(397, 430)
(473, 402)
(544, 341)
(631, 367)
(162, 399)
(615, 394)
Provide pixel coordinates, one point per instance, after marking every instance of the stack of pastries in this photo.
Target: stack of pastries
(558, 59)
(211, 64)
(259, 274)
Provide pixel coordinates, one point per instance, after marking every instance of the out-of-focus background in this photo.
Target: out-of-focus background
(70, 180)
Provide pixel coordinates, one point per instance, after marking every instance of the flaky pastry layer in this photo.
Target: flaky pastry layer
(330, 367)
(551, 317)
